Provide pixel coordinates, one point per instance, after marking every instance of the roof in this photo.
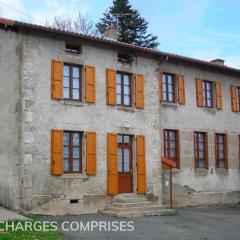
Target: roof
(9, 23)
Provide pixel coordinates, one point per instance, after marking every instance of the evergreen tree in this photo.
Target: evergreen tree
(132, 28)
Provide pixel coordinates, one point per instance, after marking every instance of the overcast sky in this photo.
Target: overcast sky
(205, 29)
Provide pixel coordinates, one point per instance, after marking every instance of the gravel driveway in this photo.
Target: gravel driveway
(215, 223)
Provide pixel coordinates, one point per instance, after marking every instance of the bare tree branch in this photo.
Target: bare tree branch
(81, 24)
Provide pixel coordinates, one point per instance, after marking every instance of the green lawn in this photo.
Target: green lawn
(29, 235)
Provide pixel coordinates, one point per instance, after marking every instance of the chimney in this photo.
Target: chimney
(218, 62)
(110, 33)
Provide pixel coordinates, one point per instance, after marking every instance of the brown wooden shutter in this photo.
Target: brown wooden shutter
(57, 79)
(161, 86)
(206, 149)
(56, 152)
(112, 163)
(141, 164)
(111, 86)
(219, 95)
(226, 151)
(181, 89)
(178, 149)
(199, 92)
(91, 162)
(139, 90)
(90, 84)
(234, 98)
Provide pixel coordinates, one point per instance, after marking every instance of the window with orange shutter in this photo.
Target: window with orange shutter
(72, 82)
(72, 152)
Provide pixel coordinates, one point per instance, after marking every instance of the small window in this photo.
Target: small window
(124, 89)
(72, 83)
(70, 48)
(124, 58)
(200, 145)
(171, 146)
(207, 94)
(221, 147)
(168, 83)
(72, 148)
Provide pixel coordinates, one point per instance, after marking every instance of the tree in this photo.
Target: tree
(81, 24)
(132, 28)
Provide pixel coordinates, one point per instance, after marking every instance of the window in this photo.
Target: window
(72, 83)
(124, 89)
(124, 58)
(221, 153)
(207, 94)
(72, 147)
(124, 153)
(171, 146)
(70, 48)
(168, 87)
(201, 152)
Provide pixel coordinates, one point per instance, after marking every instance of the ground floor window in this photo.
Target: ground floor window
(221, 153)
(72, 143)
(171, 145)
(201, 152)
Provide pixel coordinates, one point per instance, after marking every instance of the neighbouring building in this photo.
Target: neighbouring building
(84, 118)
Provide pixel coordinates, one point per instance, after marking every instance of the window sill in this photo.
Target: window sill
(128, 109)
(208, 109)
(201, 171)
(74, 103)
(74, 176)
(173, 104)
(222, 171)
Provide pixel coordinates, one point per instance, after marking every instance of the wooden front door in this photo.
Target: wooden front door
(125, 173)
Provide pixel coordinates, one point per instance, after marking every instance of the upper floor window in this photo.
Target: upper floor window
(124, 89)
(207, 93)
(72, 148)
(72, 82)
(124, 58)
(71, 48)
(221, 150)
(168, 86)
(201, 150)
(171, 145)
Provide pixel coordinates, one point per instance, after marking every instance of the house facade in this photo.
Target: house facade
(84, 119)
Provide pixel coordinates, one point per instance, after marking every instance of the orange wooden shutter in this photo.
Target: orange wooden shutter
(139, 90)
(91, 168)
(234, 98)
(226, 151)
(112, 163)
(161, 86)
(111, 86)
(56, 152)
(141, 164)
(181, 89)
(57, 79)
(219, 95)
(199, 92)
(90, 84)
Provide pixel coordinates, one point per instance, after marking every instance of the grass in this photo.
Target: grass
(28, 235)
(172, 212)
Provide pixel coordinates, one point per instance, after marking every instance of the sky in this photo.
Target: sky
(205, 29)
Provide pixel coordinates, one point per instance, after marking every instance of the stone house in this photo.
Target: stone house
(83, 119)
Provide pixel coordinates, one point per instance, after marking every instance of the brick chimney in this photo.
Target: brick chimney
(110, 33)
(218, 62)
